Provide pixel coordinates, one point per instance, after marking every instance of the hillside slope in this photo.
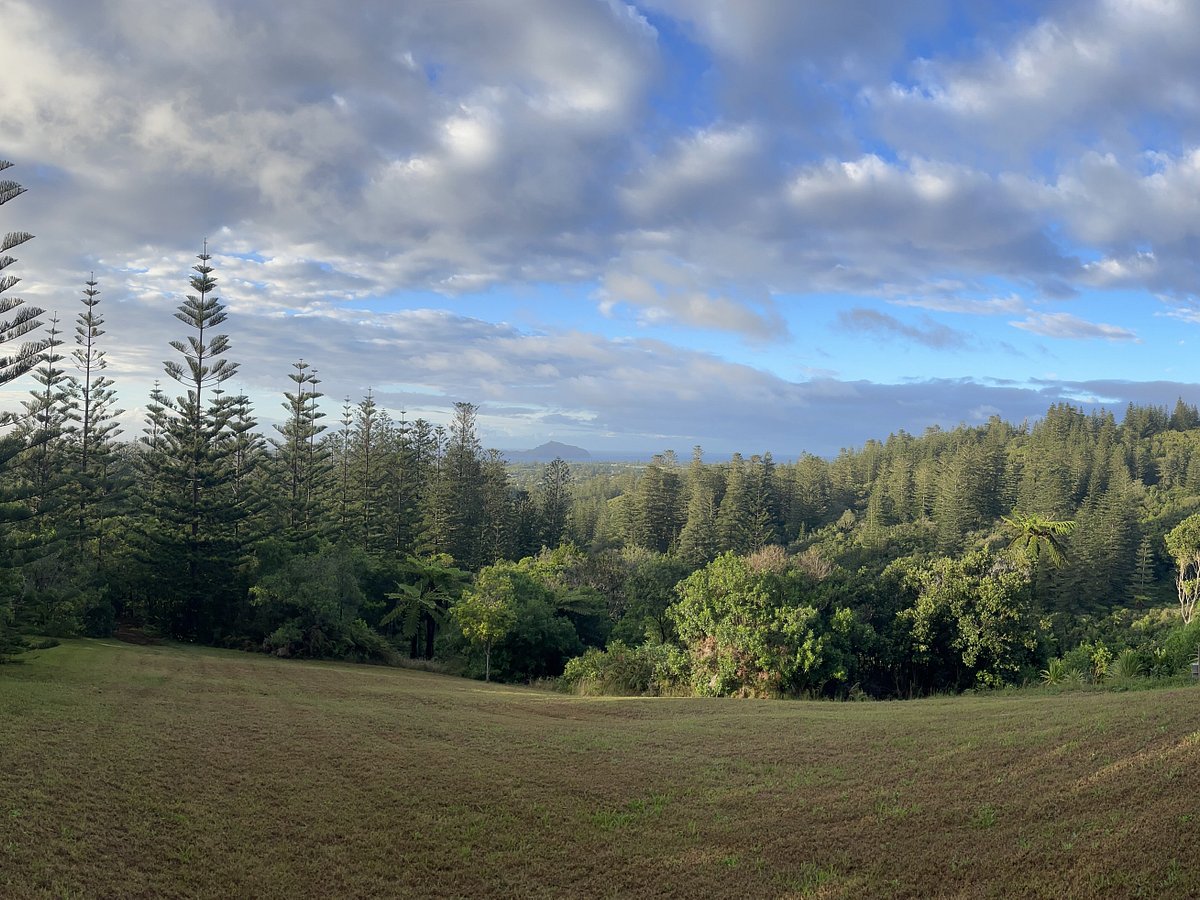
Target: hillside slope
(167, 771)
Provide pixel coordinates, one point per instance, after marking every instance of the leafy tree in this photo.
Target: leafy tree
(750, 632)
(969, 623)
(487, 610)
(1039, 538)
(310, 606)
(649, 588)
(1183, 543)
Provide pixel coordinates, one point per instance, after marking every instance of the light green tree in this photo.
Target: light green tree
(1183, 543)
(487, 611)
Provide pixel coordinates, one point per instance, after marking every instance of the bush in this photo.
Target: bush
(363, 644)
(1055, 672)
(285, 640)
(1090, 660)
(1180, 646)
(649, 670)
(1129, 664)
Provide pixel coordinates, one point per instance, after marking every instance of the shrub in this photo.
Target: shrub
(362, 643)
(648, 670)
(285, 640)
(1129, 664)
(1090, 660)
(1160, 663)
(1055, 672)
(1180, 645)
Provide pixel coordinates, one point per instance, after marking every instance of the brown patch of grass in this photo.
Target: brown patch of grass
(166, 771)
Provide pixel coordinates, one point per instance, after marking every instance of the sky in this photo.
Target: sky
(754, 225)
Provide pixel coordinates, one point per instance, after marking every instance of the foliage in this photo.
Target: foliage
(1038, 537)
(649, 670)
(1129, 663)
(1183, 543)
(309, 607)
(487, 611)
(423, 600)
(751, 633)
(1055, 672)
(970, 623)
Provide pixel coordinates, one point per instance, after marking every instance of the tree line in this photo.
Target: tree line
(971, 557)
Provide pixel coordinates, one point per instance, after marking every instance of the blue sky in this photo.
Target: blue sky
(761, 225)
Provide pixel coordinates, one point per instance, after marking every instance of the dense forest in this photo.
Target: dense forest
(1066, 549)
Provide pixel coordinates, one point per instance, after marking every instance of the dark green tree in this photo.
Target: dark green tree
(553, 499)
(699, 541)
(95, 428)
(195, 526)
(21, 319)
(432, 584)
(301, 460)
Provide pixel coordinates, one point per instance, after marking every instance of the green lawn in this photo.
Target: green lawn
(163, 771)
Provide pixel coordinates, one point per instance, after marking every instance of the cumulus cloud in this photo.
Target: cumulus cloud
(418, 156)
(1094, 68)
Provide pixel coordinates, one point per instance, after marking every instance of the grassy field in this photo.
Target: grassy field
(172, 772)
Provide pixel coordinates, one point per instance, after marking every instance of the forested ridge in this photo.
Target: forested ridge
(1062, 550)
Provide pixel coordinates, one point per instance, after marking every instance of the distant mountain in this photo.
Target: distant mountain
(547, 452)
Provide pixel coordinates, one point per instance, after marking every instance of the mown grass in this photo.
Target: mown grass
(174, 772)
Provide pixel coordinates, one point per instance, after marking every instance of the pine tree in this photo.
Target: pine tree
(460, 494)
(554, 501)
(48, 578)
(95, 427)
(246, 450)
(301, 460)
(733, 516)
(763, 527)
(24, 319)
(42, 431)
(198, 515)
(364, 473)
(658, 511)
(498, 530)
(344, 468)
(698, 541)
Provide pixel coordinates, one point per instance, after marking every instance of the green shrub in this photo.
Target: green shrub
(1160, 663)
(1090, 660)
(286, 640)
(648, 670)
(1129, 664)
(1180, 645)
(362, 643)
(1056, 670)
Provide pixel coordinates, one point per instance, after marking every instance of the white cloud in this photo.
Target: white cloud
(1069, 327)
